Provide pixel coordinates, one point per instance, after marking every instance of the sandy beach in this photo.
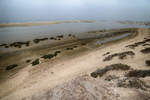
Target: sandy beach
(69, 67)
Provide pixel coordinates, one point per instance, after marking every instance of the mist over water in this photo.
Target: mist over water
(51, 10)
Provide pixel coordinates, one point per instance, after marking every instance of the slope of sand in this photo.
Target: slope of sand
(68, 77)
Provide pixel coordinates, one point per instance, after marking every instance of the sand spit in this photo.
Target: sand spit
(44, 23)
(68, 74)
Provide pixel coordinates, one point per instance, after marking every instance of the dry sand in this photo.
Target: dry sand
(44, 23)
(67, 77)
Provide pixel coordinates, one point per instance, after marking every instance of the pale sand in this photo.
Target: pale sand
(44, 23)
(34, 80)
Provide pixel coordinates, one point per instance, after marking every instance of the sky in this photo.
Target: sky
(51, 10)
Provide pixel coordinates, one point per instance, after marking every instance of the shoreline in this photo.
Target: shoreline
(68, 66)
(43, 23)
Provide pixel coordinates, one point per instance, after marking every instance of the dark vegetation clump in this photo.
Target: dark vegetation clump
(11, 66)
(49, 56)
(120, 55)
(146, 50)
(52, 38)
(69, 35)
(111, 77)
(38, 40)
(57, 52)
(19, 44)
(69, 48)
(35, 62)
(101, 72)
(27, 61)
(146, 45)
(138, 73)
(59, 37)
(133, 83)
(6, 46)
(75, 46)
(147, 62)
(107, 53)
(132, 46)
(83, 43)
(3, 45)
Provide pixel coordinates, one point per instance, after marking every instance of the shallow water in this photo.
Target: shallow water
(112, 38)
(14, 34)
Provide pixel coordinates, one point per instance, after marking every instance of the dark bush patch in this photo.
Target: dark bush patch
(57, 52)
(120, 55)
(38, 40)
(110, 77)
(19, 44)
(6, 46)
(1, 45)
(107, 53)
(146, 50)
(138, 73)
(60, 36)
(75, 46)
(147, 62)
(69, 35)
(83, 43)
(48, 56)
(27, 61)
(52, 38)
(11, 66)
(133, 83)
(101, 72)
(69, 48)
(35, 62)
(132, 46)
(146, 45)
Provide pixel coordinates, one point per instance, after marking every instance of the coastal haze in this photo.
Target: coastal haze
(52, 10)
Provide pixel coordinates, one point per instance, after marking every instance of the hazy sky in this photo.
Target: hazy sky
(44, 10)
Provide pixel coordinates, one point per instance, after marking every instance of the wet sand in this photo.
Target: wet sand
(78, 58)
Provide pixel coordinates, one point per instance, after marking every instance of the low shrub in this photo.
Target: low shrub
(101, 72)
(11, 67)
